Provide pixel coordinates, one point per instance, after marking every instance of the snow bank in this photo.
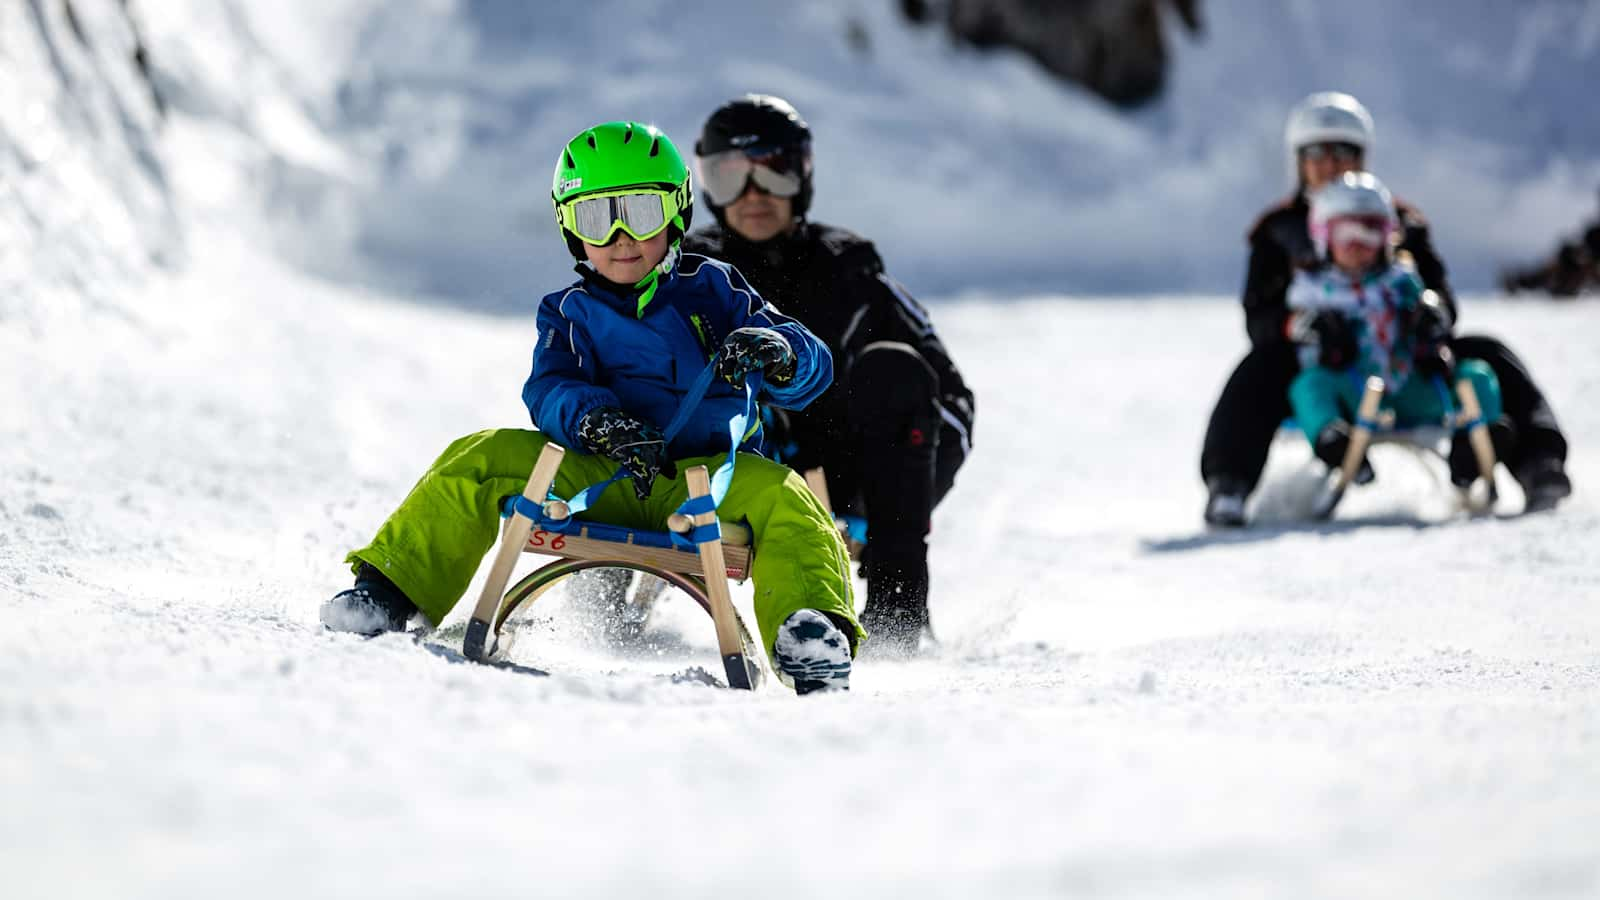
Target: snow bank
(971, 171)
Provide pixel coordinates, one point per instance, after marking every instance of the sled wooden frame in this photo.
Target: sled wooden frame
(817, 481)
(1364, 435)
(728, 558)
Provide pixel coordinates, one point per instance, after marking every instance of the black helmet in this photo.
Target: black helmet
(757, 123)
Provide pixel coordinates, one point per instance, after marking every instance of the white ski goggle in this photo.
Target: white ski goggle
(1338, 151)
(780, 172)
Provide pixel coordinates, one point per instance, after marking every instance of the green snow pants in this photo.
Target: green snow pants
(1320, 395)
(431, 546)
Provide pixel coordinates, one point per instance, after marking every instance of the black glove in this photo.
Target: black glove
(634, 443)
(761, 350)
(1431, 321)
(1435, 359)
(1329, 332)
(1430, 325)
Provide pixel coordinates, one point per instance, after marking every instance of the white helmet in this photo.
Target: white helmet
(1353, 195)
(1326, 117)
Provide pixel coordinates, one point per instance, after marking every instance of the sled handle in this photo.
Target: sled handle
(716, 575)
(817, 481)
(1361, 431)
(733, 534)
(1477, 430)
(475, 645)
(1367, 421)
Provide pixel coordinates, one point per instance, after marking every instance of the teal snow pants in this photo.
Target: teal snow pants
(431, 546)
(1320, 395)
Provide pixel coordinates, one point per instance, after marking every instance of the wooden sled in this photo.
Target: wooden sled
(1375, 426)
(703, 574)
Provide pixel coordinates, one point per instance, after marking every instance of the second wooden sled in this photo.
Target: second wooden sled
(1372, 426)
(722, 553)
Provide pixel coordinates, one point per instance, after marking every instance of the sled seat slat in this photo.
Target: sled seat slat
(653, 548)
(1425, 436)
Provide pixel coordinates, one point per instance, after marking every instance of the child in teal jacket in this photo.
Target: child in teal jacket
(1362, 313)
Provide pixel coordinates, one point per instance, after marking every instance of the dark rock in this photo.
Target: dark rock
(1116, 48)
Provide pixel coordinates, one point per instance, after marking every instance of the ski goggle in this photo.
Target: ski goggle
(1368, 231)
(1338, 151)
(640, 212)
(780, 172)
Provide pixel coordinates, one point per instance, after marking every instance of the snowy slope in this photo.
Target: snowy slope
(1397, 704)
(85, 203)
(1400, 703)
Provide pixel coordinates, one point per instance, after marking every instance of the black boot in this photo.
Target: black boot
(896, 614)
(1544, 483)
(374, 605)
(1225, 502)
(1332, 445)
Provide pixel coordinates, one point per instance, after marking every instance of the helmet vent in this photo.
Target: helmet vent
(628, 135)
(592, 144)
(570, 163)
(655, 146)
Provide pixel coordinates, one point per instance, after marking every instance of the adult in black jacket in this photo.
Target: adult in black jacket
(1328, 135)
(897, 423)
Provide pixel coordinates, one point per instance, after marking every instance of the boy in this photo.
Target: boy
(617, 352)
(1361, 313)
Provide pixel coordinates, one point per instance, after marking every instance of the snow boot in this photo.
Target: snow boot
(373, 606)
(896, 614)
(1332, 444)
(1544, 483)
(814, 652)
(1225, 502)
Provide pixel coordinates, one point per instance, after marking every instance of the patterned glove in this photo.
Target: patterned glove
(633, 443)
(1328, 332)
(761, 350)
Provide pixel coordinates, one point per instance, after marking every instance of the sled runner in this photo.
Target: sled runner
(1374, 426)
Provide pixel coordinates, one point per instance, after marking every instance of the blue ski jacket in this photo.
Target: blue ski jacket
(598, 347)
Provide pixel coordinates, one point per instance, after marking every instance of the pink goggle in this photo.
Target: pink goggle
(1368, 231)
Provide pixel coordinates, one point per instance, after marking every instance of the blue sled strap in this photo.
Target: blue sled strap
(740, 428)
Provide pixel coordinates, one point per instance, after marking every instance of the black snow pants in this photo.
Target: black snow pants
(891, 465)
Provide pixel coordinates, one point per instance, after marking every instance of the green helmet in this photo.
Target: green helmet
(610, 159)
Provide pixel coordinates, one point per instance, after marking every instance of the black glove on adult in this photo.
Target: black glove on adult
(1329, 332)
(1435, 359)
(761, 350)
(1430, 325)
(1431, 321)
(635, 444)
